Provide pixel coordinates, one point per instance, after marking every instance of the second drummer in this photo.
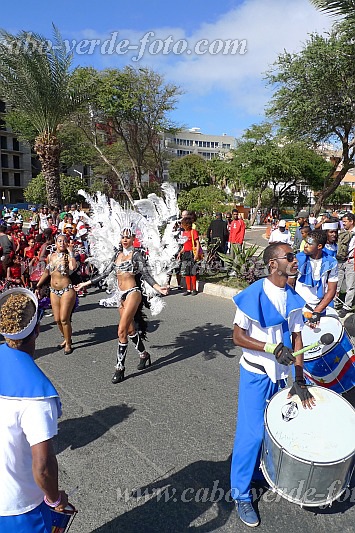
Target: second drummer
(267, 324)
(317, 276)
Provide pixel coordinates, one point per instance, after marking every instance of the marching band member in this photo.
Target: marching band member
(317, 278)
(268, 316)
(29, 409)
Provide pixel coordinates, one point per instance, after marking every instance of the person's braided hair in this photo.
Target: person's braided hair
(15, 314)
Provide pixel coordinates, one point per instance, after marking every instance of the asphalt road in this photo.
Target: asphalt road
(168, 427)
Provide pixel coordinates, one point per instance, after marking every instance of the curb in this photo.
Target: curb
(213, 289)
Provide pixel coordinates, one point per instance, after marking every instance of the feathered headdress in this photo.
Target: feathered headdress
(108, 220)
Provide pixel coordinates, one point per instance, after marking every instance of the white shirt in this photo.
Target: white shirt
(272, 335)
(280, 236)
(23, 423)
(75, 214)
(309, 294)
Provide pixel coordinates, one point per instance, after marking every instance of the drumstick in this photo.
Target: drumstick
(325, 339)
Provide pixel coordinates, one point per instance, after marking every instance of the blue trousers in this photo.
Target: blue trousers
(254, 392)
(39, 520)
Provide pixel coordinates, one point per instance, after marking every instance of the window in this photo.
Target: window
(4, 161)
(16, 144)
(3, 143)
(16, 161)
(2, 124)
(226, 146)
(5, 178)
(17, 179)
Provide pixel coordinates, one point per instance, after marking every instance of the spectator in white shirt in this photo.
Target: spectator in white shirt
(281, 234)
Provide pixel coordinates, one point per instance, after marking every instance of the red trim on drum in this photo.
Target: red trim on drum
(336, 380)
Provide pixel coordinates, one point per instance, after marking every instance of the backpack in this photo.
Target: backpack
(343, 245)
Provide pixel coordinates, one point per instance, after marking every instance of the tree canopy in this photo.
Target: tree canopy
(35, 192)
(35, 81)
(344, 8)
(315, 98)
(190, 170)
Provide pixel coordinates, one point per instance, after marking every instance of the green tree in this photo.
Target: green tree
(130, 106)
(190, 171)
(315, 98)
(206, 200)
(342, 195)
(35, 192)
(265, 159)
(35, 80)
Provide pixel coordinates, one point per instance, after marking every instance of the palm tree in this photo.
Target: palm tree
(35, 81)
(344, 8)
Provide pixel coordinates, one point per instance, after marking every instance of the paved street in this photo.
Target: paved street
(170, 426)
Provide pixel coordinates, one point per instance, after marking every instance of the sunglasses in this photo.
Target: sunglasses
(290, 256)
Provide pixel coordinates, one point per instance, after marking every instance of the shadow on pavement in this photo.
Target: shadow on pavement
(345, 502)
(76, 433)
(176, 502)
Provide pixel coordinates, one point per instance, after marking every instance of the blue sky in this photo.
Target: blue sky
(223, 93)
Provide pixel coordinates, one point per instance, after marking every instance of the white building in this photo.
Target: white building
(15, 163)
(192, 141)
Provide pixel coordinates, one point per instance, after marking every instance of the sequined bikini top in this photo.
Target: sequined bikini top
(125, 266)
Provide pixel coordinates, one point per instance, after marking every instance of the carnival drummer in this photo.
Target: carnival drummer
(317, 277)
(267, 325)
(29, 408)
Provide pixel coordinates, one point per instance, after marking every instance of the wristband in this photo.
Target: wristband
(269, 348)
(54, 504)
(71, 254)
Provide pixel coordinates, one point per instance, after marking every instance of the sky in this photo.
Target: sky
(216, 52)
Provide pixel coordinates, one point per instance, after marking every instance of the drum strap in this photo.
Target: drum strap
(255, 365)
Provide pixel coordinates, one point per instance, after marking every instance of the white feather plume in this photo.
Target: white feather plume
(108, 219)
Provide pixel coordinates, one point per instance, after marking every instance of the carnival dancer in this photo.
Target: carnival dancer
(29, 409)
(134, 276)
(60, 265)
(267, 325)
(317, 278)
(129, 264)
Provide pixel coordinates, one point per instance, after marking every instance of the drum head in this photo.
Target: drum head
(324, 434)
(327, 324)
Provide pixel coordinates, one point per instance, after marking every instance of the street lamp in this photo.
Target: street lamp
(80, 174)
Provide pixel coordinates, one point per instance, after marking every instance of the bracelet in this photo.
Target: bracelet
(71, 254)
(54, 504)
(269, 348)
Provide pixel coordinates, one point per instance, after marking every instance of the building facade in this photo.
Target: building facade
(192, 141)
(15, 163)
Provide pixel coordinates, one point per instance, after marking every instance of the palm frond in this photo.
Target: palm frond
(35, 78)
(336, 7)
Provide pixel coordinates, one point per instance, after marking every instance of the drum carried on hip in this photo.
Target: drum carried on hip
(61, 522)
(308, 455)
(333, 365)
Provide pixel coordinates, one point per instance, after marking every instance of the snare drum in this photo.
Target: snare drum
(61, 522)
(331, 366)
(308, 455)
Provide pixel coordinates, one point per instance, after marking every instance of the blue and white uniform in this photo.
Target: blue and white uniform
(314, 276)
(29, 409)
(269, 314)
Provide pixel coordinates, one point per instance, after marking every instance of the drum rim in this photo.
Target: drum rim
(331, 346)
(316, 463)
(297, 501)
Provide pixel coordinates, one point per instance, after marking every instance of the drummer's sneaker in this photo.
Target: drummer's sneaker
(247, 514)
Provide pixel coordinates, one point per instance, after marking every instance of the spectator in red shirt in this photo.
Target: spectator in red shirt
(236, 231)
(189, 239)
